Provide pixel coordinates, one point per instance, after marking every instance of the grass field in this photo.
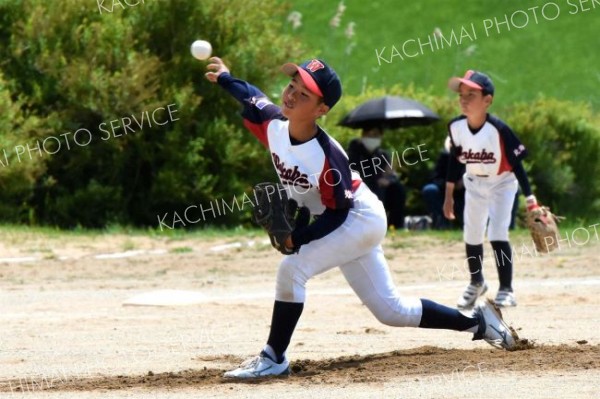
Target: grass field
(557, 55)
(17, 233)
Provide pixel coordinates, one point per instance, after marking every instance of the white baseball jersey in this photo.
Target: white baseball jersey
(489, 151)
(317, 172)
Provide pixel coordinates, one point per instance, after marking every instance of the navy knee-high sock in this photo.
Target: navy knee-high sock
(504, 263)
(284, 320)
(443, 317)
(475, 261)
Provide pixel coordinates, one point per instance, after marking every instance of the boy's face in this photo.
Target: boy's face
(472, 101)
(299, 103)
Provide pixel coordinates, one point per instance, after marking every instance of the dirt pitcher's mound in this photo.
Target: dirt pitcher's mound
(413, 363)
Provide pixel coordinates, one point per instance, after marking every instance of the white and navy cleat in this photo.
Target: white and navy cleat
(505, 299)
(260, 366)
(471, 294)
(492, 328)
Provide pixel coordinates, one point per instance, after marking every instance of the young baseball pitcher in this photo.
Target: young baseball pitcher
(492, 154)
(351, 223)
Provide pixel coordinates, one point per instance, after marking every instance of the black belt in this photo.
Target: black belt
(482, 175)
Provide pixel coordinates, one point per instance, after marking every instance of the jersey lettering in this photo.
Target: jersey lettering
(291, 176)
(478, 157)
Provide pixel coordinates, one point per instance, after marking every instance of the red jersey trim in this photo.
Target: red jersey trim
(504, 164)
(259, 130)
(326, 185)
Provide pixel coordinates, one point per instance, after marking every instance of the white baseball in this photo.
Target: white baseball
(201, 49)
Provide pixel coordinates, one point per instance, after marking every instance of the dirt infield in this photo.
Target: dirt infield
(66, 333)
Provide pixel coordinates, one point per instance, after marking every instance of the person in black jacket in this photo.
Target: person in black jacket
(434, 192)
(374, 165)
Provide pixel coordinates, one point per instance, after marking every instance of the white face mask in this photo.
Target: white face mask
(371, 143)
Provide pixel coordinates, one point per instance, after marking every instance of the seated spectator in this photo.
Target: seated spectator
(374, 165)
(433, 192)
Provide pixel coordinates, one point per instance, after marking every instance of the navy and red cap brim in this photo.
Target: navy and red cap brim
(473, 79)
(291, 69)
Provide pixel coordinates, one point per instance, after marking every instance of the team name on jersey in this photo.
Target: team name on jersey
(478, 157)
(291, 176)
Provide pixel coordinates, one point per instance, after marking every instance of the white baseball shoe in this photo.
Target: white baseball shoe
(471, 294)
(259, 366)
(492, 328)
(505, 299)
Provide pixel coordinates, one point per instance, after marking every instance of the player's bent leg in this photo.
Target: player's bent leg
(343, 245)
(371, 280)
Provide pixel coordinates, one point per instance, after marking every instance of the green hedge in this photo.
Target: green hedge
(69, 66)
(564, 141)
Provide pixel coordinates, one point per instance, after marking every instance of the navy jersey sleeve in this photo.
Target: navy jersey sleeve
(521, 176)
(258, 110)
(514, 150)
(335, 180)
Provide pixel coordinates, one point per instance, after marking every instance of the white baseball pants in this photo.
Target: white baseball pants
(488, 198)
(355, 247)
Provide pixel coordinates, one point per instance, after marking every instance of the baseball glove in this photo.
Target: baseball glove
(543, 227)
(278, 215)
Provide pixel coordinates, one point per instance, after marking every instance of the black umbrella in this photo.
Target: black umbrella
(389, 112)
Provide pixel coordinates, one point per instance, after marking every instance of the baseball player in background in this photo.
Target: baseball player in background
(492, 154)
(351, 223)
